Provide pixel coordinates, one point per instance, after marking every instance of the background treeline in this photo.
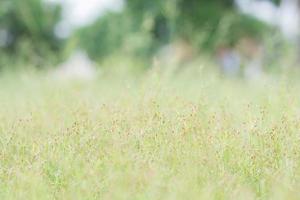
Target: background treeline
(27, 32)
(27, 29)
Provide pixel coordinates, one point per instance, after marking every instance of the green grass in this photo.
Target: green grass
(187, 136)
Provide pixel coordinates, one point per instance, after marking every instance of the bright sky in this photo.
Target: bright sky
(286, 17)
(77, 13)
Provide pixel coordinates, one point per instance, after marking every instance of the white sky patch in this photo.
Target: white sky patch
(263, 10)
(77, 13)
(80, 12)
(289, 18)
(286, 16)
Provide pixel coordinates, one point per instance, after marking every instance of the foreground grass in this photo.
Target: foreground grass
(187, 137)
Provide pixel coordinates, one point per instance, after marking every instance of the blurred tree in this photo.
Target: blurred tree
(277, 2)
(28, 27)
(145, 25)
(219, 21)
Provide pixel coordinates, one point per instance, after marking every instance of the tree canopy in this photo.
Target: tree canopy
(29, 25)
(139, 29)
(150, 24)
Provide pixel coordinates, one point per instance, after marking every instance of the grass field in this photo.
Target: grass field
(156, 136)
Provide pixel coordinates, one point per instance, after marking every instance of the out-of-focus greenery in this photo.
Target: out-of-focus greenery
(29, 30)
(139, 30)
(144, 25)
(276, 1)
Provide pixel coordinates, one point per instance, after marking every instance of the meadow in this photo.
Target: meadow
(159, 135)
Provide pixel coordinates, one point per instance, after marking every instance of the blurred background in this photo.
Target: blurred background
(238, 38)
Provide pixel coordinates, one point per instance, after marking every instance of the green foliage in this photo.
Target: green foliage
(117, 33)
(30, 26)
(113, 33)
(151, 24)
(277, 2)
